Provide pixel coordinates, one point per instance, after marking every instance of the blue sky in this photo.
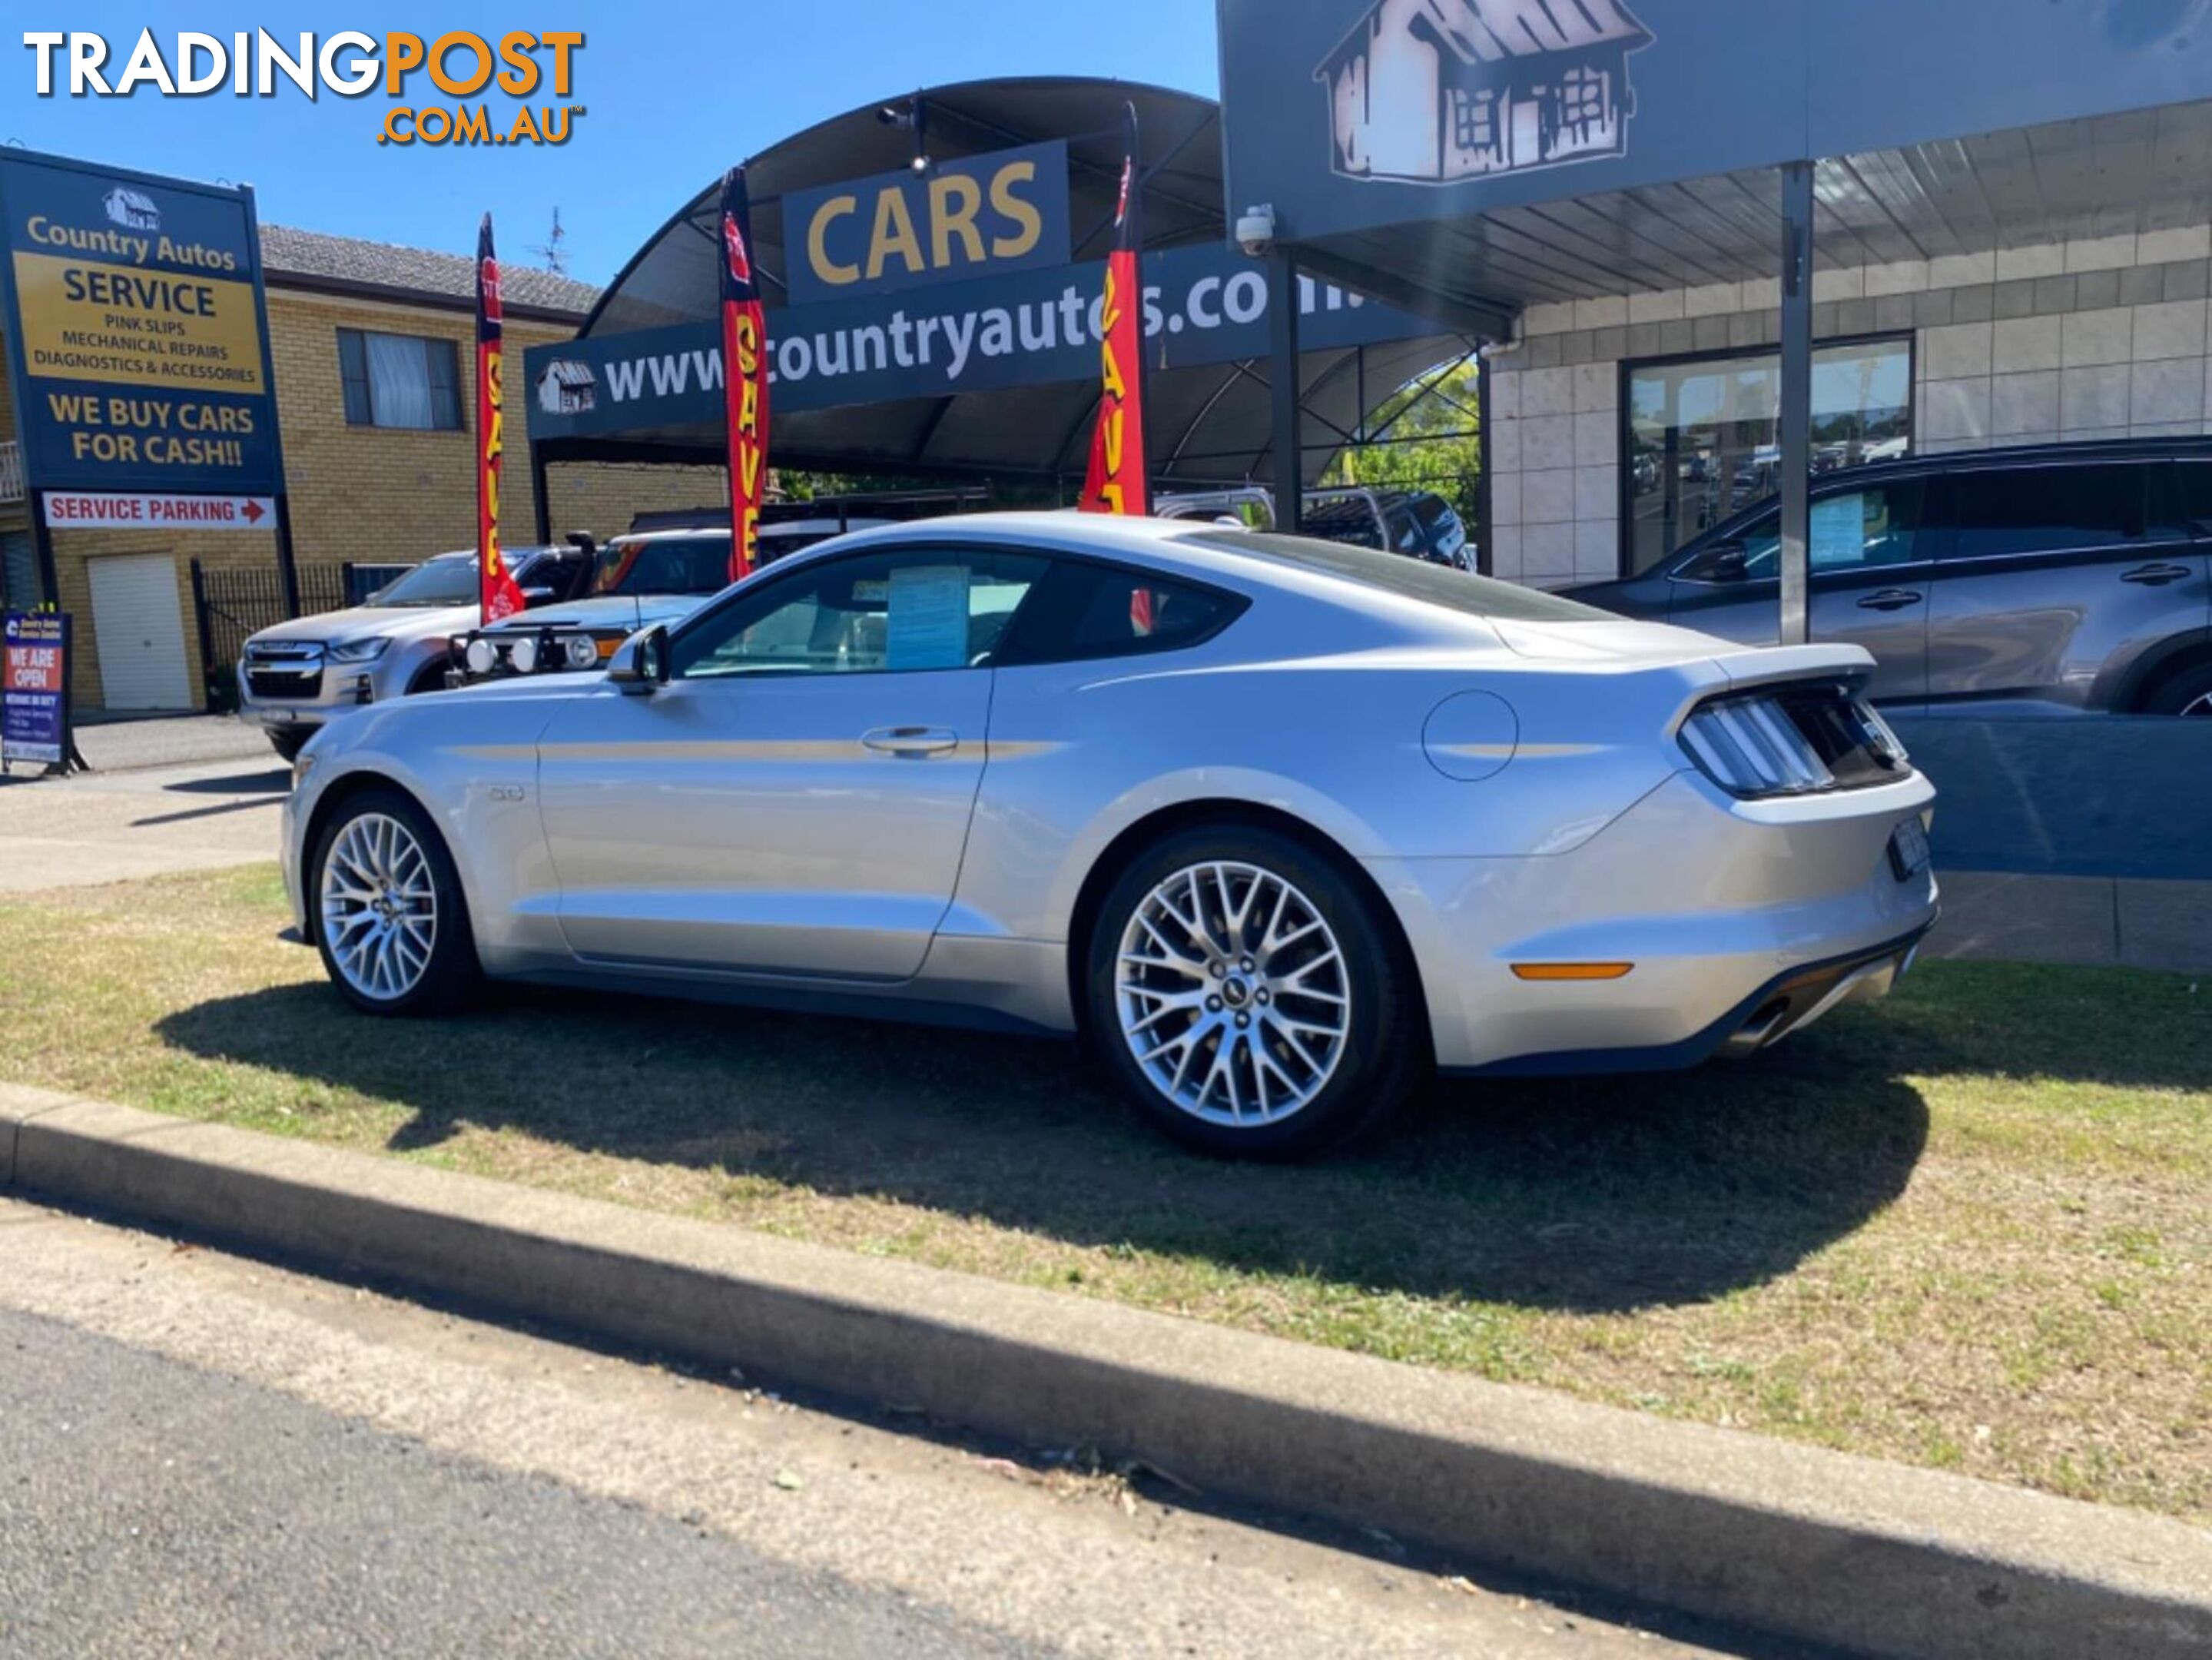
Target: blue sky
(675, 92)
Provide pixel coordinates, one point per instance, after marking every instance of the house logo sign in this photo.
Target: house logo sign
(131, 210)
(567, 387)
(1437, 92)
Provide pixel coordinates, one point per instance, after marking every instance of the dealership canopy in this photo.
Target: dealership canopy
(930, 263)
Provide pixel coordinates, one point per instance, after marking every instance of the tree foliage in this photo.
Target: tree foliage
(1431, 440)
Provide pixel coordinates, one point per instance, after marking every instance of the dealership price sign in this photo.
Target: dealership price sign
(136, 334)
(34, 681)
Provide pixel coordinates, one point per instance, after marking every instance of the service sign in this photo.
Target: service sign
(134, 329)
(980, 216)
(33, 674)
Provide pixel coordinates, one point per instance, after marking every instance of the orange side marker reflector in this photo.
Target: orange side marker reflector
(1571, 970)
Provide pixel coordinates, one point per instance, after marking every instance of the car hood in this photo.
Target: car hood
(395, 623)
(629, 612)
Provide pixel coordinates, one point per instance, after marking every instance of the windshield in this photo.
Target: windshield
(1409, 579)
(435, 582)
(671, 564)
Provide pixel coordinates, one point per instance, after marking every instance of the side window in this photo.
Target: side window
(1081, 610)
(1868, 527)
(896, 611)
(2188, 510)
(1853, 529)
(2046, 509)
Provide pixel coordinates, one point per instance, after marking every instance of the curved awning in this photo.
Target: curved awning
(1208, 423)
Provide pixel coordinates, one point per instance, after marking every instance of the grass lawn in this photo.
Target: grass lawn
(1972, 1228)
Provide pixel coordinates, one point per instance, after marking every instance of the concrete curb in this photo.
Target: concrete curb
(1814, 1546)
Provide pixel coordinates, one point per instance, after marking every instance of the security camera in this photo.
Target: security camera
(1256, 230)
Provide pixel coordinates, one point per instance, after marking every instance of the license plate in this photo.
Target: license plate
(1908, 850)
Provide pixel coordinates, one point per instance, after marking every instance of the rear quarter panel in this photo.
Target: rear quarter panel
(1079, 752)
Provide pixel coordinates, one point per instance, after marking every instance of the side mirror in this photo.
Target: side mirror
(1725, 562)
(536, 596)
(639, 665)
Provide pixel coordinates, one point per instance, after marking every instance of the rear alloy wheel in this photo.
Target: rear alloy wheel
(2188, 693)
(390, 920)
(1247, 998)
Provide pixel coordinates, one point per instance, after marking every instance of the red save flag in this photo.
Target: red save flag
(744, 375)
(497, 594)
(1115, 481)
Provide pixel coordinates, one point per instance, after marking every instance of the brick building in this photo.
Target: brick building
(374, 356)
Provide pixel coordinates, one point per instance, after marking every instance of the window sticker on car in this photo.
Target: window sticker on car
(1838, 531)
(871, 592)
(928, 627)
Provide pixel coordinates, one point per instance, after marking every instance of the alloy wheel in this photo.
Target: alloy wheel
(379, 906)
(2201, 708)
(1232, 993)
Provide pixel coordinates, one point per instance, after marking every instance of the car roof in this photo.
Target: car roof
(1195, 548)
(2075, 454)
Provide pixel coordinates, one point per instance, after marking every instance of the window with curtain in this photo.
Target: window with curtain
(1701, 437)
(399, 381)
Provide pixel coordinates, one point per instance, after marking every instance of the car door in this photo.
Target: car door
(1872, 556)
(795, 800)
(2048, 571)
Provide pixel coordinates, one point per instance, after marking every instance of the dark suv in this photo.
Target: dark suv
(2057, 579)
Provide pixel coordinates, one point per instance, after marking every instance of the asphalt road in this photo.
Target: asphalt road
(159, 1508)
(115, 826)
(200, 1455)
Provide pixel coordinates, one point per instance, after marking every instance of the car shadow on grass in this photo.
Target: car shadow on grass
(1592, 1195)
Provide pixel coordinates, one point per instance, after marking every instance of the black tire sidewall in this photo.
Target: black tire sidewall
(2180, 690)
(286, 741)
(1384, 1049)
(454, 974)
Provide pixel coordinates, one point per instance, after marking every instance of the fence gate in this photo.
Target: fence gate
(231, 603)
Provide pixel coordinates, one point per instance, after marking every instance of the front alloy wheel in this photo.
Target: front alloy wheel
(1247, 993)
(391, 922)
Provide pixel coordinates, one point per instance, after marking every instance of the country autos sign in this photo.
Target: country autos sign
(133, 316)
(1202, 305)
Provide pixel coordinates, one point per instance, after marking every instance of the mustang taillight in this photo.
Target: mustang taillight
(1793, 740)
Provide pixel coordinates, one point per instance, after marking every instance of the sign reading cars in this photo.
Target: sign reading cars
(1006, 211)
(135, 324)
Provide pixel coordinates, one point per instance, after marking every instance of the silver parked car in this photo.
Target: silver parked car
(1279, 823)
(299, 674)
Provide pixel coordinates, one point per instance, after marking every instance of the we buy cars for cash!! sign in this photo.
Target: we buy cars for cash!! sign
(135, 332)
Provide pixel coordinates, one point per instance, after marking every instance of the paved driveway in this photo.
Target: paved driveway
(112, 826)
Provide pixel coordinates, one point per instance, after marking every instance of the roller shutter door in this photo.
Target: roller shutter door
(139, 627)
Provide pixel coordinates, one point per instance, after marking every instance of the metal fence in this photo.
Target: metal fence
(231, 603)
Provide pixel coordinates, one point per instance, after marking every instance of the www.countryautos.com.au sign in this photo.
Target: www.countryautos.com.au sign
(133, 316)
(1203, 305)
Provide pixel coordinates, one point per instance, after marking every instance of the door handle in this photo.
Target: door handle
(1890, 600)
(2156, 576)
(910, 740)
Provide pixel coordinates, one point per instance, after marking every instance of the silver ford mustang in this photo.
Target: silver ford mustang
(1280, 824)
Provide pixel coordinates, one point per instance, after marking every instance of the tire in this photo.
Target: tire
(1353, 1078)
(430, 677)
(2188, 691)
(417, 969)
(288, 741)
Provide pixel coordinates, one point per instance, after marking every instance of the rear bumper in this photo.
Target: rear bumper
(1721, 906)
(1789, 1002)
